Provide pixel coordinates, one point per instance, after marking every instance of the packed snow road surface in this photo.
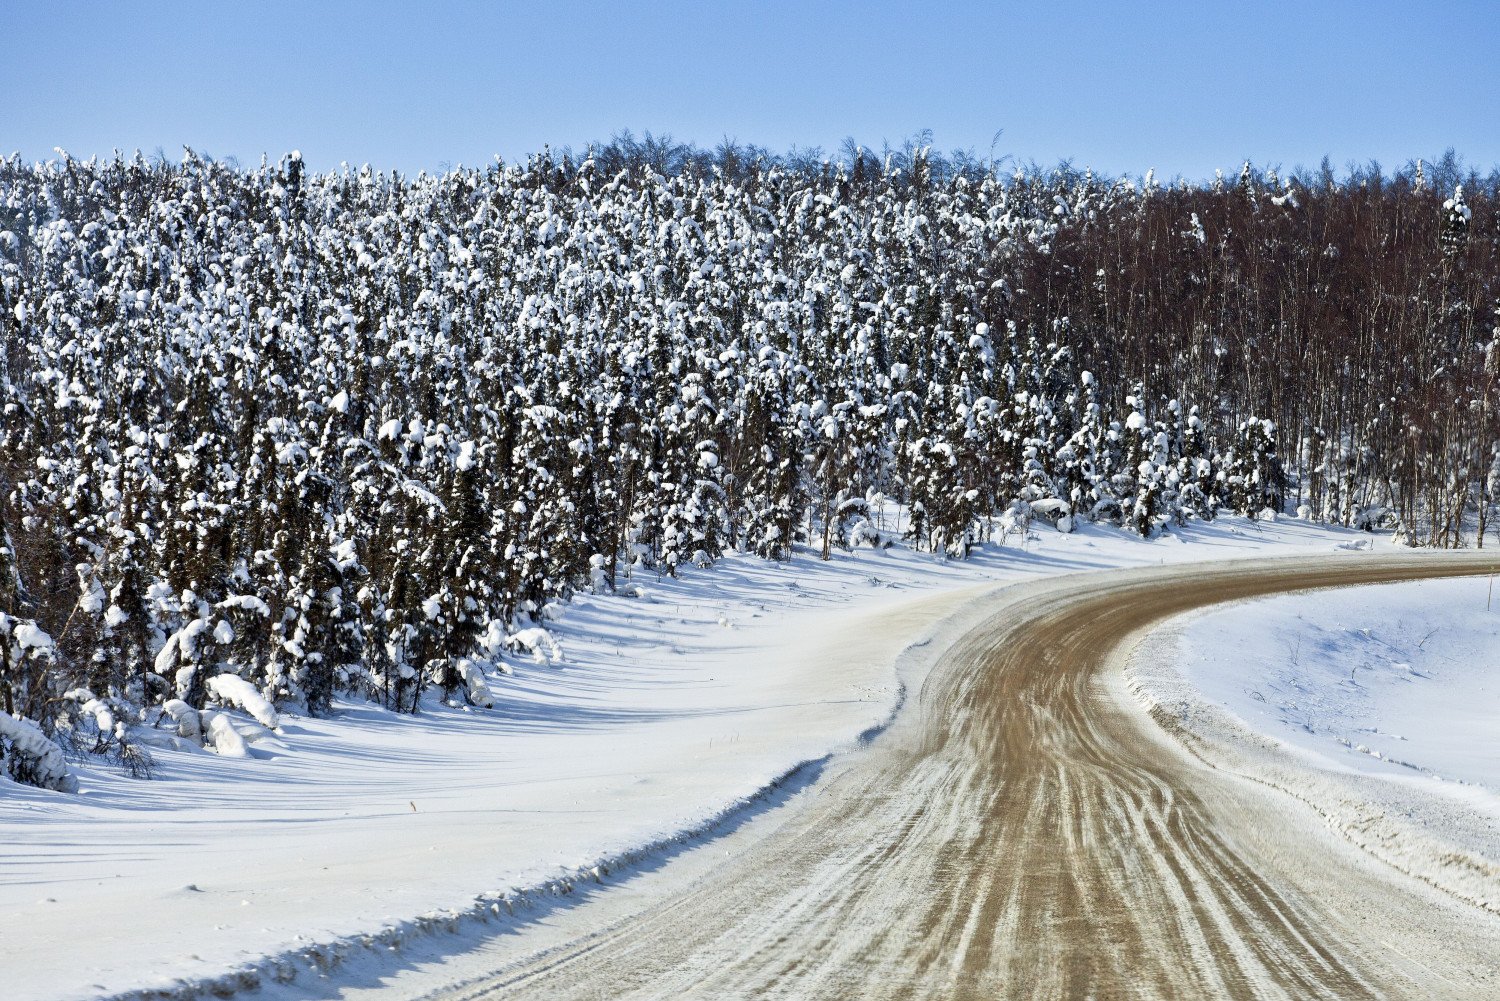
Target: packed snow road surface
(1026, 830)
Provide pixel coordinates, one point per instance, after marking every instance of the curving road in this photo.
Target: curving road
(1024, 830)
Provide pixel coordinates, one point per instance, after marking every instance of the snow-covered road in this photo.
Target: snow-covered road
(671, 711)
(1024, 830)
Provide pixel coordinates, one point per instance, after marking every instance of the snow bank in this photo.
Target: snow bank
(1374, 705)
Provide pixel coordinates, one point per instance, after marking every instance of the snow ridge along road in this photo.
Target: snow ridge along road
(1025, 830)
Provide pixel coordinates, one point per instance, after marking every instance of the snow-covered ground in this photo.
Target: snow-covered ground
(1376, 705)
(667, 713)
(1396, 679)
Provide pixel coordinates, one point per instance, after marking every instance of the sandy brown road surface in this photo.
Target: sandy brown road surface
(1024, 831)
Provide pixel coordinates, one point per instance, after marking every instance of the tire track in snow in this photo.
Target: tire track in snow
(1023, 831)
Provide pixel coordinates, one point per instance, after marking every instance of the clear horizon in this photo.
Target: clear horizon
(1179, 89)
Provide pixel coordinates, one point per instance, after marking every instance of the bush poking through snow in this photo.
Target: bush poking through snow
(29, 757)
(598, 579)
(179, 658)
(1054, 512)
(101, 727)
(189, 725)
(26, 755)
(538, 642)
(232, 690)
(476, 691)
(222, 736)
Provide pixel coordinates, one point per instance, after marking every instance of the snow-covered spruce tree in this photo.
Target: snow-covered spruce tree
(1197, 482)
(1085, 460)
(1252, 473)
(26, 753)
(1456, 219)
(772, 473)
(1140, 484)
(26, 654)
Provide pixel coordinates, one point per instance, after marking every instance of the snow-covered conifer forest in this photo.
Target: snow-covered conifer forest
(271, 437)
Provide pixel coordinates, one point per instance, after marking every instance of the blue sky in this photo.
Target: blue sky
(1181, 87)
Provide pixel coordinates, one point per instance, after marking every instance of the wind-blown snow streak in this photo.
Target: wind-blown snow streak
(1024, 830)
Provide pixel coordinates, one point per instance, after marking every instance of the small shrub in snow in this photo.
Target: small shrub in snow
(221, 735)
(189, 725)
(1052, 511)
(476, 691)
(538, 642)
(135, 760)
(232, 690)
(598, 579)
(28, 756)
